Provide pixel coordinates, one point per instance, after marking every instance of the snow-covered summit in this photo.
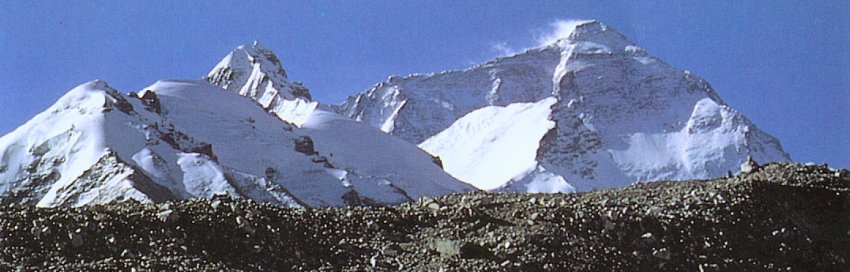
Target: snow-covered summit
(256, 72)
(620, 115)
(179, 139)
(593, 31)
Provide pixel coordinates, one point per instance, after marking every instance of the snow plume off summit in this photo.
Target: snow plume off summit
(612, 115)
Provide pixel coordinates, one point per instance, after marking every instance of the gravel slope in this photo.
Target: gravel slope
(778, 217)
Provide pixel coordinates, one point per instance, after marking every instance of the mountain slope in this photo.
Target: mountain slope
(191, 139)
(363, 150)
(621, 115)
(486, 146)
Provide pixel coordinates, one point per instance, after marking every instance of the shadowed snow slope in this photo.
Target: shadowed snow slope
(369, 155)
(619, 114)
(187, 139)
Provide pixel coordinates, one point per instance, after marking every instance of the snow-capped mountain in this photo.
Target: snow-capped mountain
(592, 110)
(256, 72)
(185, 139)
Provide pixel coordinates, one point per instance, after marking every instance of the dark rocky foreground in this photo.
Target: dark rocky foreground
(780, 217)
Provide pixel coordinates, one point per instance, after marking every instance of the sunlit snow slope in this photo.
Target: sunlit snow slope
(619, 115)
(186, 139)
(488, 146)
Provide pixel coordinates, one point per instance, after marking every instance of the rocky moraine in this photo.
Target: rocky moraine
(779, 217)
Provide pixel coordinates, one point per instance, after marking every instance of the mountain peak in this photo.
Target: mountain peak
(589, 31)
(246, 57)
(259, 46)
(618, 115)
(257, 52)
(97, 145)
(256, 72)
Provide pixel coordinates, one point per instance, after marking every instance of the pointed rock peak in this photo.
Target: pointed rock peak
(248, 68)
(255, 71)
(255, 56)
(259, 46)
(589, 26)
(257, 51)
(97, 84)
(591, 31)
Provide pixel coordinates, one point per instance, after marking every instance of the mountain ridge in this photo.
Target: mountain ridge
(591, 110)
(613, 100)
(179, 139)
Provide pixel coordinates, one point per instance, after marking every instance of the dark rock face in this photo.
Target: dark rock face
(180, 141)
(102, 172)
(204, 148)
(437, 161)
(151, 102)
(779, 217)
(121, 104)
(352, 198)
(298, 90)
(304, 144)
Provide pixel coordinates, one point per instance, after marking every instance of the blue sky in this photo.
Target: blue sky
(784, 64)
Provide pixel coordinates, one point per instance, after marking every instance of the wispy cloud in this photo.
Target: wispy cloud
(503, 49)
(557, 29)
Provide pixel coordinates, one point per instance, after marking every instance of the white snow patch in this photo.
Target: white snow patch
(203, 177)
(389, 125)
(148, 161)
(295, 111)
(490, 146)
(547, 182)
